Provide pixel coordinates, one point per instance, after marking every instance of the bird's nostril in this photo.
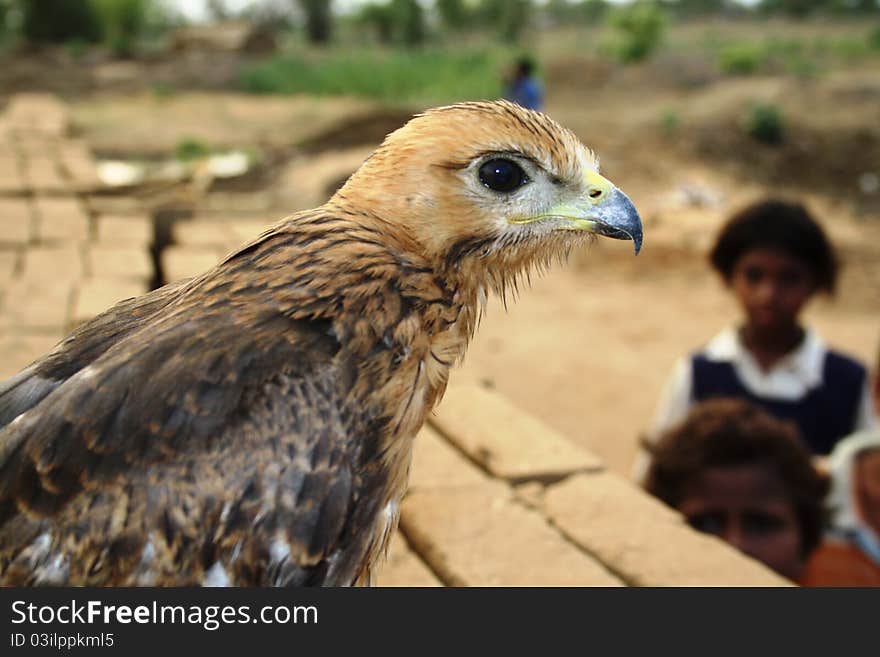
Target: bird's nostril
(595, 193)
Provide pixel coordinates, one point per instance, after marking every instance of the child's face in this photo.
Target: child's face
(747, 507)
(867, 487)
(772, 287)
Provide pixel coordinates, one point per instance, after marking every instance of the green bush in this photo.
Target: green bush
(874, 38)
(742, 59)
(639, 28)
(191, 149)
(765, 123)
(671, 121)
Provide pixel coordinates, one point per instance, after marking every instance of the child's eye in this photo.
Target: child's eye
(759, 523)
(708, 522)
(754, 274)
(790, 277)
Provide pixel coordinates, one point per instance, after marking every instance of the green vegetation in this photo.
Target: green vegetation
(671, 121)
(122, 23)
(765, 123)
(396, 76)
(742, 58)
(639, 29)
(798, 56)
(191, 149)
(874, 38)
(118, 24)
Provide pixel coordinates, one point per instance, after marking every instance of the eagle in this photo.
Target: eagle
(254, 425)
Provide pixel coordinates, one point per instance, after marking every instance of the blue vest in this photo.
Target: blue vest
(823, 416)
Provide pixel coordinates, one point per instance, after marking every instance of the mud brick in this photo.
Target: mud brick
(204, 233)
(94, 296)
(19, 351)
(643, 540)
(42, 174)
(51, 264)
(36, 304)
(508, 443)
(11, 180)
(123, 206)
(477, 537)
(78, 164)
(61, 219)
(530, 493)
(437, 464)
(28, 144)
(8, 263)
(125, 230)
(403, 567)
(123, 262)
(39, 112)
(184, 261)
(17, 224)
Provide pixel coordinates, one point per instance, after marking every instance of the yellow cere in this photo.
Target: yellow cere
(597, 186)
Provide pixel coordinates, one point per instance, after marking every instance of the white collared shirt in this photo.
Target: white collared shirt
(790, 379)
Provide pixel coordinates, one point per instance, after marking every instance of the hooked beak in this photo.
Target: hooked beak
(603, 209)
(617, 217)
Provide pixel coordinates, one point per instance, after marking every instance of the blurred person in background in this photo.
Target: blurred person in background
(773, 257)
(522, 86)
(738, 473)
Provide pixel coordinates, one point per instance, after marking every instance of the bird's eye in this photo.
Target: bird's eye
(502, 175)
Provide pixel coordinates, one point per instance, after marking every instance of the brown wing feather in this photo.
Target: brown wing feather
(161, 464)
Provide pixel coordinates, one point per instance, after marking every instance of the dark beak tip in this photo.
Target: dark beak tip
(637, 242)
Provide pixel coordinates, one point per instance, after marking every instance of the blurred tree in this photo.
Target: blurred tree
(6, 11)
(453, 13)
(379, 18)
(409, 22)
(57, 21)
(590, 11)
(319, 19)
(508, 17)
(122, 23)
(855, 6)
(794, 8)
(218, 10)
(399, 21)
(696, 7)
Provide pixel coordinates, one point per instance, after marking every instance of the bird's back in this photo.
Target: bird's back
(205, 433)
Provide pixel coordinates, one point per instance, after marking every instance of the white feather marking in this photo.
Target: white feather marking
(216, 576)
(148, 553)
(88, 373)
(279, 551)
(53, 573)
(39, 549)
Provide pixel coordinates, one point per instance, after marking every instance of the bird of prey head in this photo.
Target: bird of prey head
(254, 425)
(492, 180)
